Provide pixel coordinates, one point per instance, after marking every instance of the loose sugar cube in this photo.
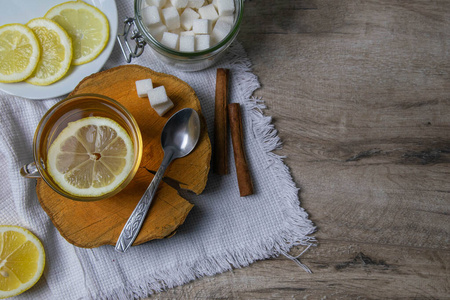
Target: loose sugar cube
(208, 12)
(162, 109)
(187, 43)
(187, 18)
(150, 15)
(220, 31)
(225, 7)
(170, 40)
(171, 17)
(143, 86)
(201, 26)
(159, 100)
(195, 3)
(157, 30)
(179, 3)
(157, 96)
(158, 3)
(189, 33)
(202, 42)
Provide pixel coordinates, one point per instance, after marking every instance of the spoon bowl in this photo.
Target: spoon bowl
(178, 138)
(181, 132)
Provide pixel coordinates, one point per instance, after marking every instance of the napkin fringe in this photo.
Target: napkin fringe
(296, 226)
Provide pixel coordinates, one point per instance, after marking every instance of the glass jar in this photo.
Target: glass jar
(136, 30)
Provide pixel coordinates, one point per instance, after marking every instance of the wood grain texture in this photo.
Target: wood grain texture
(359, 92)
(92, 224)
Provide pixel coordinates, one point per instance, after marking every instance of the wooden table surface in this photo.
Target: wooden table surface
(360, 94)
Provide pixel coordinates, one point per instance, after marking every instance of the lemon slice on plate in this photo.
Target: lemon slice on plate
(19, 52)
(91, 157)
(56, 49)
(22, 260)
(87, 26)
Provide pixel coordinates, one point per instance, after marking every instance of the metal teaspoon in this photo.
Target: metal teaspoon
(178, 138)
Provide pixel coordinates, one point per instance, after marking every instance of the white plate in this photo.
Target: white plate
(22, 11)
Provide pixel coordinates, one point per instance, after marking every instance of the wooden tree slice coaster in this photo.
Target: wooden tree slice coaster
(92, 224)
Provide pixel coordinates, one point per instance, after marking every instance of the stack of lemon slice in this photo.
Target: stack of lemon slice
(42, 51)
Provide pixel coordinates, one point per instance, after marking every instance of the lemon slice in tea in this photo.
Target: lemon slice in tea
(19, 52)
(56, 51)
(91, 157)
(87, 26)
(22, 260)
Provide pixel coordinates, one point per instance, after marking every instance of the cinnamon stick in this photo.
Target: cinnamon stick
(220, 163)
(237, 137)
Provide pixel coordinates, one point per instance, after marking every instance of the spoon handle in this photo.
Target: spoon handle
(132, 227)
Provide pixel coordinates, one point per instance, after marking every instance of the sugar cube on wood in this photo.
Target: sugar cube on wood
(159, 100)
(162, 109)
(143, 86)
(157, 96)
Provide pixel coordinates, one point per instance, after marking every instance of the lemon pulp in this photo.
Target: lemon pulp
(91, 157)
(87, 26)
(19, 52)
(22, 260)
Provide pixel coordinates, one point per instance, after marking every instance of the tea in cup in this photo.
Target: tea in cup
(86, 147)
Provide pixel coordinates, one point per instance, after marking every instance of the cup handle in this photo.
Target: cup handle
(30, 171)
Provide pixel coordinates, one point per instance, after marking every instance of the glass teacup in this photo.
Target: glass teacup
(72, 109)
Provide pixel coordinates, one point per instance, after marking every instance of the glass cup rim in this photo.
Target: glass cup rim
(192, 55)
(137, 139)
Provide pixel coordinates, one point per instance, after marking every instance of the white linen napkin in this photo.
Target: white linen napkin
(223, 230)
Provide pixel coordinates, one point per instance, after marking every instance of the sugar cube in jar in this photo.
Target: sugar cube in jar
(206, 22)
